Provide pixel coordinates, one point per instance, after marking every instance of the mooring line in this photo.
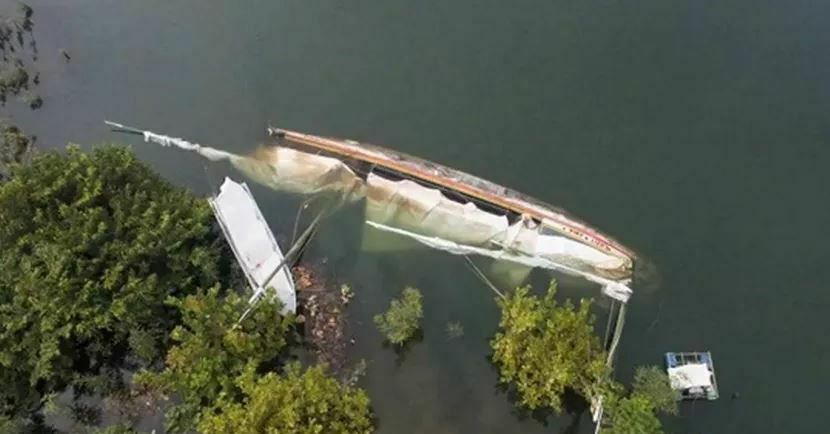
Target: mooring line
(483, 278)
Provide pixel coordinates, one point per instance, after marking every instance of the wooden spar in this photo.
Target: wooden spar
(615, 340)
(567, 226)
(597, 404)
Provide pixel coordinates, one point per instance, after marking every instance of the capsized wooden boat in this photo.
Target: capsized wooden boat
(481, 191)
(435, 205)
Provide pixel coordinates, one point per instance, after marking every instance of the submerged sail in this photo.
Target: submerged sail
(276, 167)
(426, 211)
(610, 287)
(460, 213)
(432, 204)
(294, 171)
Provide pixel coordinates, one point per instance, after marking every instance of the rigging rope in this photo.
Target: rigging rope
(297, 248)
(608, 322)
(482, 277)
(617, 334)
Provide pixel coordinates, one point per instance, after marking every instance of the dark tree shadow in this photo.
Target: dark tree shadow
(402, 350)
(37, 425)
(573, 405)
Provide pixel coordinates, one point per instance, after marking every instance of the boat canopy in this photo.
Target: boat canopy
(690, 376)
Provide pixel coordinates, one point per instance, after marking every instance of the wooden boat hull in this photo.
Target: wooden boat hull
(471, 187)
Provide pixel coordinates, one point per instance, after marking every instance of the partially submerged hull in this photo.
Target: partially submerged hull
(484, 194)
(433, 204)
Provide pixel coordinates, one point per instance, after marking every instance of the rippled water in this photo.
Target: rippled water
(695, 132)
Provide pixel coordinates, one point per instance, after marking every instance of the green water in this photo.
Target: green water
(695, 132)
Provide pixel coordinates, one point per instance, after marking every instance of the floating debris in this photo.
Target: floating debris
(454, 330)
(323, 307)
(33, 100)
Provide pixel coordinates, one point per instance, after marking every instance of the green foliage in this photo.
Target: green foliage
(543, 348)
(630, 415)
(13, 79)
(15, 148)
(653, 383)
(296, 403)
(212, 350)
(144, 345)
(636, 413)
(115, 429)
(403, 318)
(10, 425)
(17, 74)
(93, 244)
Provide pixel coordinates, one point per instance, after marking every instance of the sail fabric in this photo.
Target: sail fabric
(278, 167)
(294, 171)
(611, 288)
(415, 209)
(556, 246)
(425, 214)
(205, 151)
(411, 206)
(530, 238)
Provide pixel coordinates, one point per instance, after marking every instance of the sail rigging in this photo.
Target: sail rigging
(435, 205)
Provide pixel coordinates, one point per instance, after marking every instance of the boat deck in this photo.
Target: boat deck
(692, 374)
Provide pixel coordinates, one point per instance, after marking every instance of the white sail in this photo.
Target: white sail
(612, 288)
(286, 169)
(426, 211)
(277, 167)
(427, 215)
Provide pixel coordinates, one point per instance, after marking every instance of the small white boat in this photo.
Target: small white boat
(692, 374)
(253, 243)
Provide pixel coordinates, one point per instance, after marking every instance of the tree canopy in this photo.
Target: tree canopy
(228, 375)
(630, 415)
(18, 57)
(115, 429)
(15, 148)
(543, 348)
(297, 402)
(93, 245)
(653, 383)
(400, 322)
(211, 350)
(637, 413)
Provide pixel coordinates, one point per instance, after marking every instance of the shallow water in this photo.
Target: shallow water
(695, 133)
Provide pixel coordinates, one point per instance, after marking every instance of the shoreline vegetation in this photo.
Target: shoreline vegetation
(118, 272)
(18, 58)
(109, 269)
